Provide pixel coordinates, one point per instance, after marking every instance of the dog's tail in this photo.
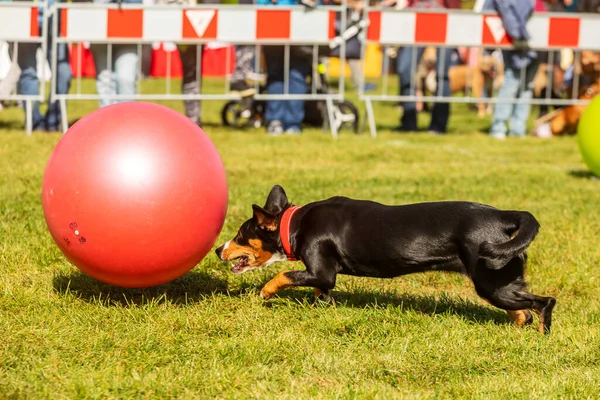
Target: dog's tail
(497, 255)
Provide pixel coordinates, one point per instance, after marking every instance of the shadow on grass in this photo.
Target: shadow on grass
(193, 287)
(583, 174)
(11, 125)
(428, 305)
(196, 286)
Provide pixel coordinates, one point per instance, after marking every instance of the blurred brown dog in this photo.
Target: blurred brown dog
(488, 75)
(565, 120)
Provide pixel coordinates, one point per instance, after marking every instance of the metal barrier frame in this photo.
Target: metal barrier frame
(383, 96)
(42, 40)
(329, 98)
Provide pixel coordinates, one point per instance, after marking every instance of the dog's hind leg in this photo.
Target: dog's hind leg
(516, 302)
(505, 288)
(323, 295)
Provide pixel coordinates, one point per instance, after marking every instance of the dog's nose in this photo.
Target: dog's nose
(219, 251)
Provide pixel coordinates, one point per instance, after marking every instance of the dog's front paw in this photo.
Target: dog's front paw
(264, 294)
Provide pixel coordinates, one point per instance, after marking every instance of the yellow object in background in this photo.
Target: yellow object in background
(372, 67)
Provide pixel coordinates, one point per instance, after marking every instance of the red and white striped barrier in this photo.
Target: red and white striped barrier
(19, 22)
(227, 24)
(469, 29)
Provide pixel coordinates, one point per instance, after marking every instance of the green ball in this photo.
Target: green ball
(588, 136)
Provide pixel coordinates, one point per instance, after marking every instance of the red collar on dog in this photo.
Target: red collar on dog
(284, 231)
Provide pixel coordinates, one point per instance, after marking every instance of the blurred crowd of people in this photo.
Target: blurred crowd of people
(117, 73)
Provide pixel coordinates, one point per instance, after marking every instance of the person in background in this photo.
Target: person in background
(562, 5)
(29, 83)
(120, 77)
(191, 83)
(587, 6)
(353, 47)
(441, 111)
(286, 116)
(520, 67)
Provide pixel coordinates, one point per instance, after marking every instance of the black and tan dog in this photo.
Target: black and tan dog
(364, 238)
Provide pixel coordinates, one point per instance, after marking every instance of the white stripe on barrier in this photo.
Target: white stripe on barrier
(398, 27)
(466, 37)
(538, 28)
(162, 26)
(589, 34)
(17, 23)
(245, 27)
(309, 27)
(89, 24)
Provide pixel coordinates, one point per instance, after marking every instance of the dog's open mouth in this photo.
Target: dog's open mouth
(238, 267)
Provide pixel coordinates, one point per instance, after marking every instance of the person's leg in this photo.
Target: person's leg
(356, 72)
(63, 83)
(275, 109)
(405, 70)
(518, 121)
(29, 83)
(441, 111)
(508, 91)
(244, 67)
(190, 83)
(294, 109)
(105, 79)
(126, 70)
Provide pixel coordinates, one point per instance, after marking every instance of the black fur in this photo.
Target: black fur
(363, 238)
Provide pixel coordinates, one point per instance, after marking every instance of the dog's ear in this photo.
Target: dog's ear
(277, 200)
(265, 219)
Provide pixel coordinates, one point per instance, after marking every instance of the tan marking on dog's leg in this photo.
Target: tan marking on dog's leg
(541, 318)
(518, 317)
(280, 281)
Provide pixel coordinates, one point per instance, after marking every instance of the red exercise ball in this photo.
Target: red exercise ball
(135, 194)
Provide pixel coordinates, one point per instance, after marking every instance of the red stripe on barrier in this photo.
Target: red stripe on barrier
(211, 31)
(200, 24)
(431, 28)
(331, 30)
(493, 31)
(125, 24)
(563, 32)
(34, 27)
(273, 24)
(374, 29)
(63, 22)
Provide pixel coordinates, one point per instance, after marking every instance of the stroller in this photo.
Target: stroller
(250, 112)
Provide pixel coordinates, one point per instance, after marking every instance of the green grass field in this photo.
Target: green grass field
(208, 334)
